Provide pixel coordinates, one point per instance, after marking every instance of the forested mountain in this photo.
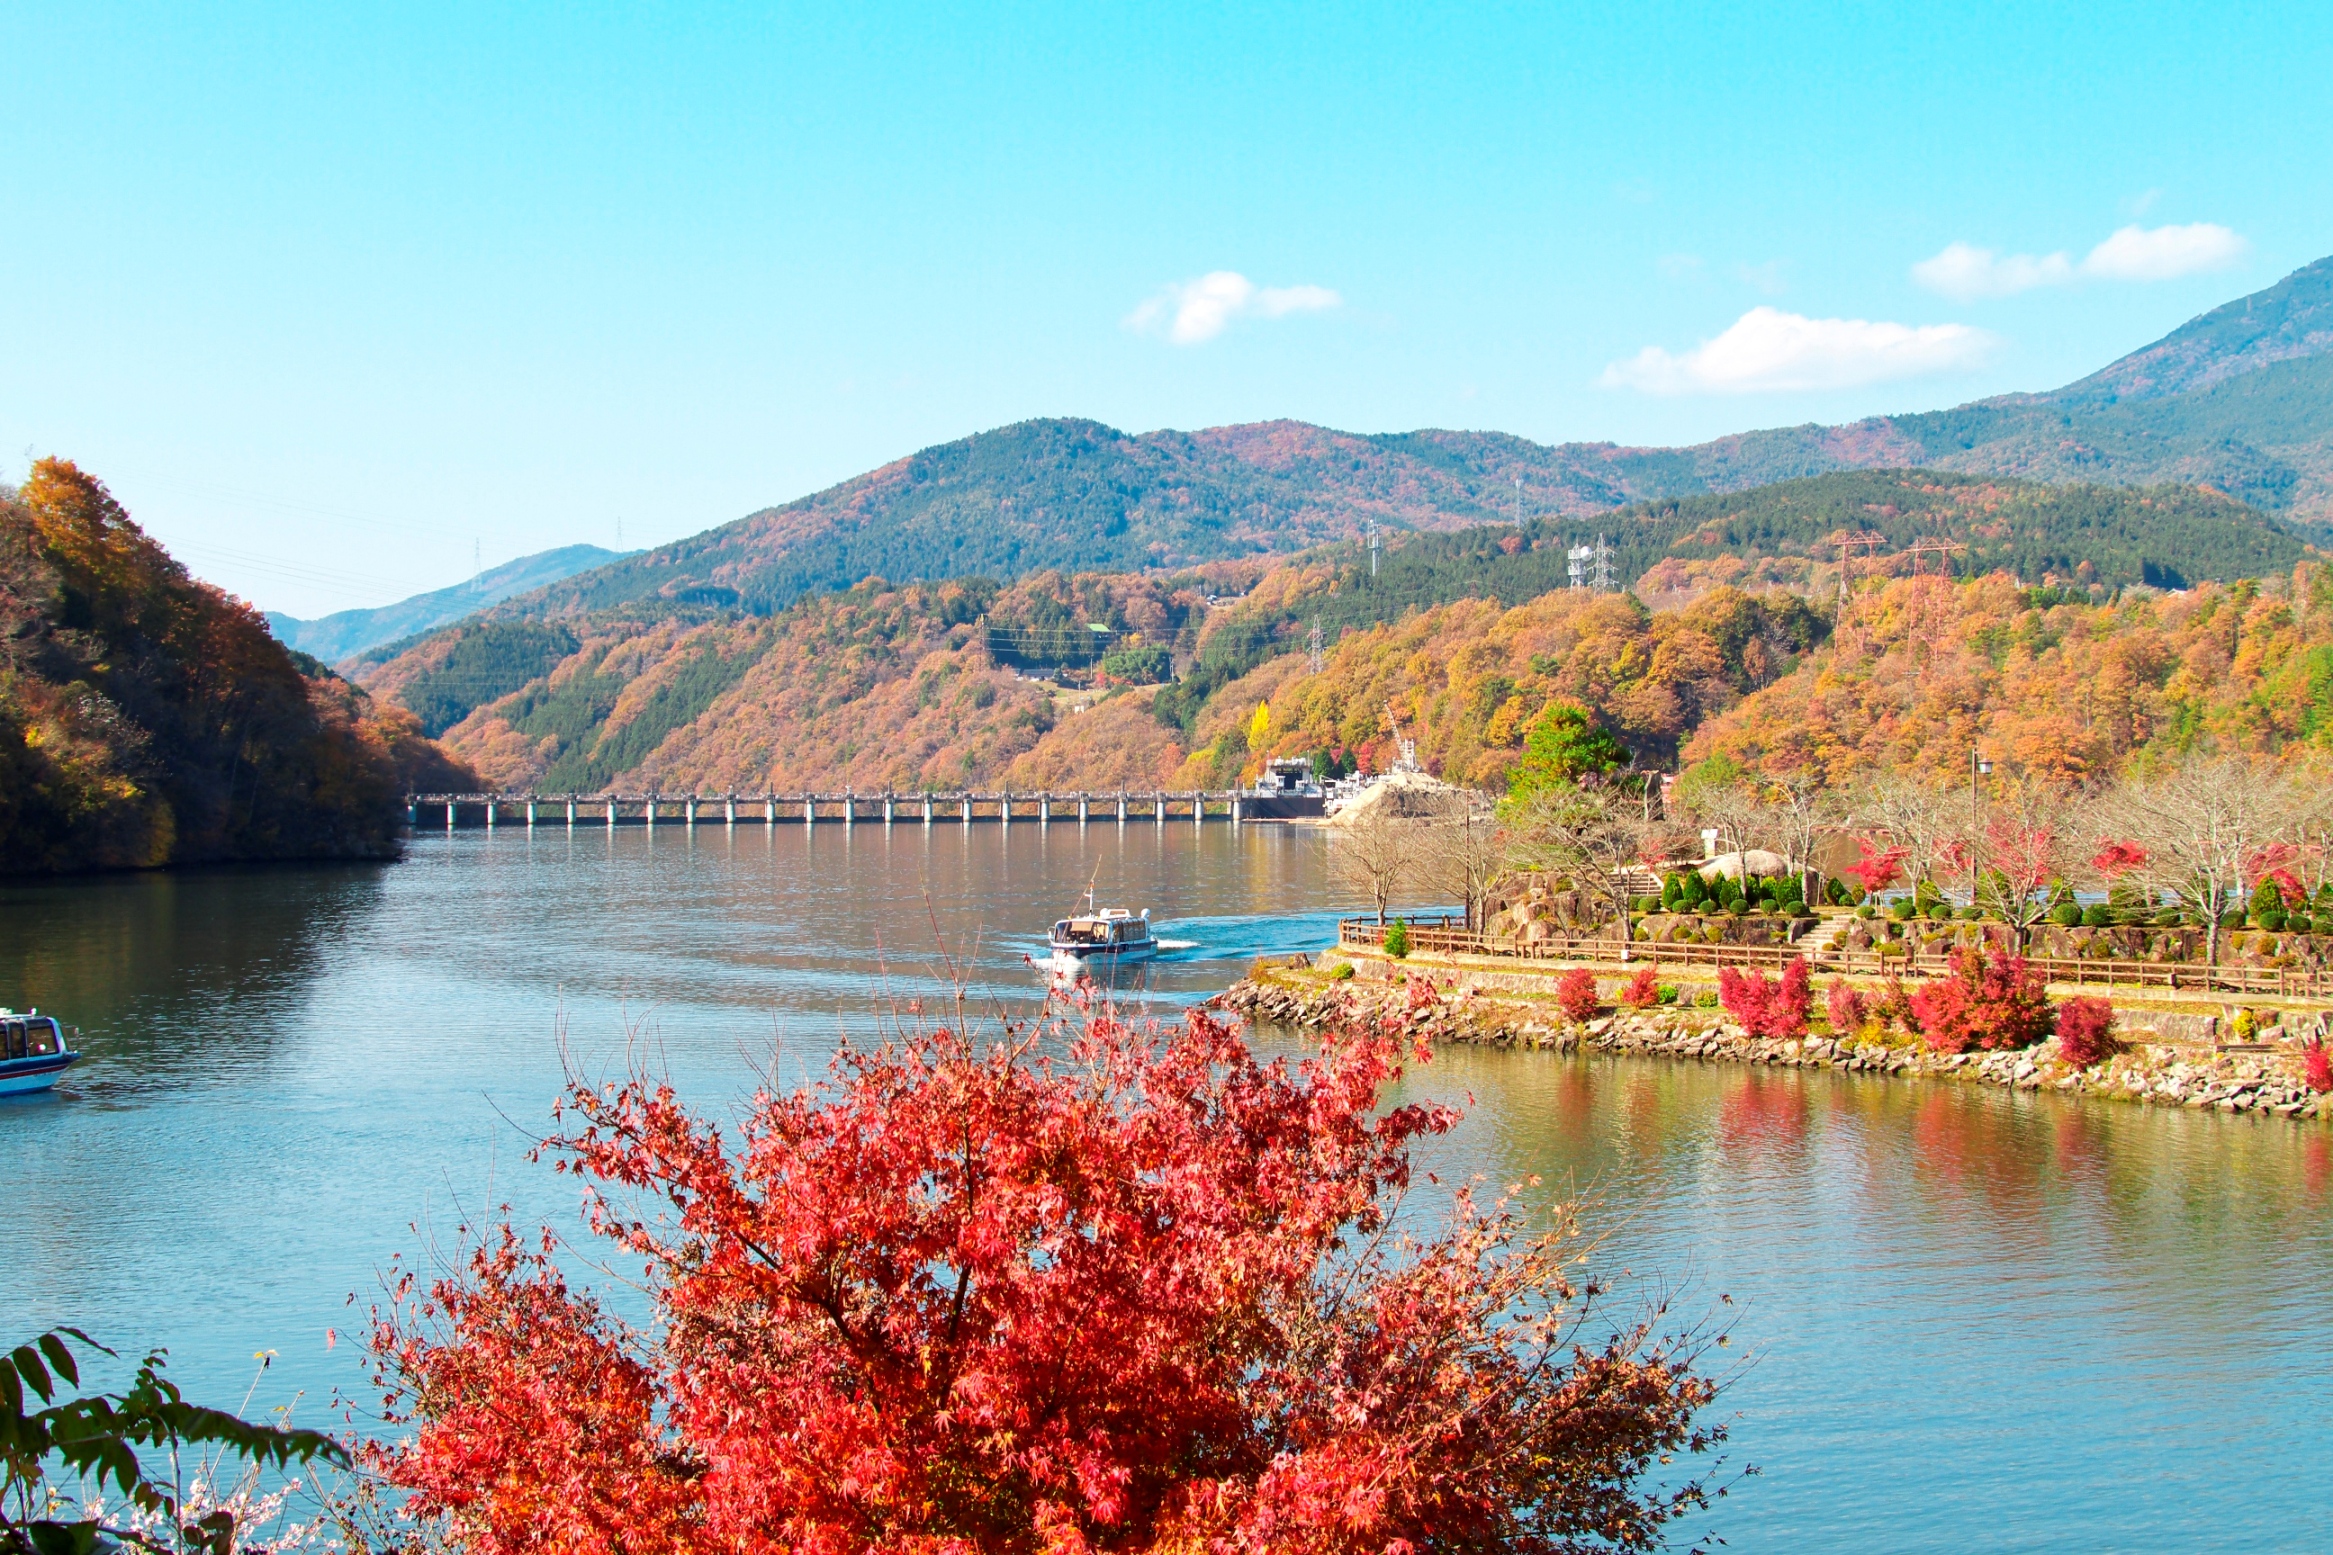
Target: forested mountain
(147, 718)
(2103, 536)
(2240, 399)
(1469, 633)
(2070, 688)
(345, 632)
(774, 651)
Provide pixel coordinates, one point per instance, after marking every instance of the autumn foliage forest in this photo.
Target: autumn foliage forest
(147, 718)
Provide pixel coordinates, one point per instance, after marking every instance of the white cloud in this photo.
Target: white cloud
(2164, 253)
(1769, 351)
(1188, 312)
(1965, 272)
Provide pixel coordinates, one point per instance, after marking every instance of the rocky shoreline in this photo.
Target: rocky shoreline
(2255, 1079)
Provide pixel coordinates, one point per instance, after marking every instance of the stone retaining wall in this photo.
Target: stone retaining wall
(2162, 1072)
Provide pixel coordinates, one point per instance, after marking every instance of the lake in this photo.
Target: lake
(1972, 1318)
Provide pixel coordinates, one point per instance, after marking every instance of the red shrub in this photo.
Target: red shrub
(2317, 1066)
(1985, 1002)
(1845, 1006)
(1088, 1288)
(1643, 990)
(1768, 1009)
(1577, 993)
(2086, 1032)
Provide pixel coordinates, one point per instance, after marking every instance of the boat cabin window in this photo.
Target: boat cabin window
(41, 1038)
(11, 1039)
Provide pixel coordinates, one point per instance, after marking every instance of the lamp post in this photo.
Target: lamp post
(1976, 877)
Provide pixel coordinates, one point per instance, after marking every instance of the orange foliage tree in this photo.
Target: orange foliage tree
(1143, 1295)
(148, 718)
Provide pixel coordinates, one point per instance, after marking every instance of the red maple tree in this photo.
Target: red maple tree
(1875, 869)
(1143, 1294)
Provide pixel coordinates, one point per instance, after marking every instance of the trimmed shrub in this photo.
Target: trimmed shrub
(1672, 892)
(1768, 1008)
(2300, 923)
(1845, 1007)
(1706, 999)
(2168, 918)
(1902, 909)
(1643, 991)
(2095, 916)
(2066, 915)
(1397, 939)
(1668, 993)
(1576, 994)
(1342, 971)
(2273, 920)
(1866, 910)
(1940, 911)
(1644, 904)
(2086, 1032)
(2317, 1066)
(1739, 907)
(2231, 919)
(1971, 914)
(1985, 1002)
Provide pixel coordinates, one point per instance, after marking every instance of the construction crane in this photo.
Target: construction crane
(1407, 761)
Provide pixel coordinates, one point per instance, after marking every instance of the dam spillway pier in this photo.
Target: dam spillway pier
(950, 807)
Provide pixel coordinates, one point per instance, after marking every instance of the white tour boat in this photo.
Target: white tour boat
(1104, 934)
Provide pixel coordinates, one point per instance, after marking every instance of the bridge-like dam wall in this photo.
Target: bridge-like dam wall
(458, 812)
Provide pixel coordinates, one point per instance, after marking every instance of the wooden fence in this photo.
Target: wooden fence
(1450, 937)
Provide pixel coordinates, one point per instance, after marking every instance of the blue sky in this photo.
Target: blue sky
(337, 297)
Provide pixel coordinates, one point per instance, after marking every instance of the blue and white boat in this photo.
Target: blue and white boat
(32, 1052)
(1107, 934)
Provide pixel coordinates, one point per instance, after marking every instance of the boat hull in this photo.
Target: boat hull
(22, 1076)
(1141, 950)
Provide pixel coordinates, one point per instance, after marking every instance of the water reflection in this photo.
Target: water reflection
(1962, 1299)
(187, 979)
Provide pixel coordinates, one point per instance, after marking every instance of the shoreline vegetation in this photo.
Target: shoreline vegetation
(2253, 1059)
(149, 719)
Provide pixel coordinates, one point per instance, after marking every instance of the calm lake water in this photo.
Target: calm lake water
(1975, 1320)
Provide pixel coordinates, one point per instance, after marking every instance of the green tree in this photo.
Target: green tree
(96, 1438)
(1566, 744)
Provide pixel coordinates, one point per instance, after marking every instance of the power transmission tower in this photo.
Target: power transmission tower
(1868, 542)
(1373, 548)
(1603, 574)
(1319, 659)
(1942, 550)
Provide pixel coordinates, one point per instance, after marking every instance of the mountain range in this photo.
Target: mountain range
(2239, 400)
(345, 632)
(882, 633)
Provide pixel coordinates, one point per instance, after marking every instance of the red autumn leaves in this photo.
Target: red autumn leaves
(1144, 1295)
